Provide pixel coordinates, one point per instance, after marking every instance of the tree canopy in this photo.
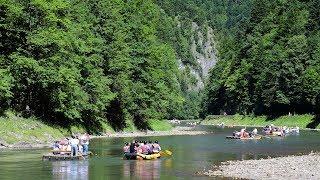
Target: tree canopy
(270, 65)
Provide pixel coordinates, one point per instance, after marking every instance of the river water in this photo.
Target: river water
(191, 154)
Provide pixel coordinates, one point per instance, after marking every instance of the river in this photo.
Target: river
(191, 154)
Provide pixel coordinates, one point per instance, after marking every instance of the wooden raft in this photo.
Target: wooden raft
(64, 157)
(234, 137)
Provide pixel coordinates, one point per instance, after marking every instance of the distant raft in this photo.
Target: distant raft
(138, 156)
(64, 157)
(235, 137)
(275, 133)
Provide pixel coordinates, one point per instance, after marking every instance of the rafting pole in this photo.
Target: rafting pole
(166, 153)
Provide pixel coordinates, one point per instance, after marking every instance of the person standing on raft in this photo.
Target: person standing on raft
(85, 143)
(74, 145)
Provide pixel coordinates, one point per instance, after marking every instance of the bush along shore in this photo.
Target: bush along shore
(302, 121)
(24, 133)
(291, 167)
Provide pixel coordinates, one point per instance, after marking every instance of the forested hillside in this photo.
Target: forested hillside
(125, 62)
(271, 64)
(75, 61)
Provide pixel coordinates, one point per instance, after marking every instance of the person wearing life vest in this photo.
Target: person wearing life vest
(156, 147)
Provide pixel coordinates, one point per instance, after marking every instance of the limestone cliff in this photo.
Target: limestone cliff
(204, 54)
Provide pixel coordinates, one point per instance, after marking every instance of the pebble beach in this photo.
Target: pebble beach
(291, 167)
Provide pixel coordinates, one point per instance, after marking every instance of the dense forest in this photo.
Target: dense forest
(88, 61)
(270, 65)
(75, 61)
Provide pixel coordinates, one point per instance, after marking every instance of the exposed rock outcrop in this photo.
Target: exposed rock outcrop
(203, 50)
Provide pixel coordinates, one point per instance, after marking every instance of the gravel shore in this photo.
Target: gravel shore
(291, 167)
(174, 132)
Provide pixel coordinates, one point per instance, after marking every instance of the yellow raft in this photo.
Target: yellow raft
(149, 156)
(138, 156)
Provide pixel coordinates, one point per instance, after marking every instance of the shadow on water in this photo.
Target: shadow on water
(315, 122)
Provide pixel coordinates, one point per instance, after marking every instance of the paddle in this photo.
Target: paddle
(166, 153)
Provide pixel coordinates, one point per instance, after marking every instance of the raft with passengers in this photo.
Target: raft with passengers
(245, 135)
(73, 148)
(272, 130)
(143, 150)
(269, 130)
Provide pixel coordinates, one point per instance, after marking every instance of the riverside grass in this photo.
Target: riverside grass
(160, 125)
(244, 120)
(16, 129)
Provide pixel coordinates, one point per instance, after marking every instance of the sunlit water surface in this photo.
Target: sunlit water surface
(191, 154)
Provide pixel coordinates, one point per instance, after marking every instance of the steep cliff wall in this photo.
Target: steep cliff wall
(204, 53)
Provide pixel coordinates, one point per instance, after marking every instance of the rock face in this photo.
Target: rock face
(203, 50)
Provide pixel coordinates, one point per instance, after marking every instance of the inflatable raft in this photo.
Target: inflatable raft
(235, 137)
(137, 156)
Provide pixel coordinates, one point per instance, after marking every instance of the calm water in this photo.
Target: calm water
(190, 154)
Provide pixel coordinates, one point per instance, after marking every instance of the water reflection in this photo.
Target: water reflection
(70, 170)
(142, 169)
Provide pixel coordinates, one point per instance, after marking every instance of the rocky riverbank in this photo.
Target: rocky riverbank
(291, 167)
(44, 144)
(174, 132)
(24, 145)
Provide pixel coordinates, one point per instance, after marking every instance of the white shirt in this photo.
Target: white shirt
(255, 131)
(74, 141)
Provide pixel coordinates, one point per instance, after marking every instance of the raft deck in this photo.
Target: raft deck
(64, 157)
(235, 137)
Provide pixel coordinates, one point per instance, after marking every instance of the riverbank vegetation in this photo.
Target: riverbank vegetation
(16, 129)
(301, 121)
(20, 132)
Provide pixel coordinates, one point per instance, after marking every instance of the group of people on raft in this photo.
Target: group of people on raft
(268, 130)
(271, 129)
(281, 131)
(76, 145)
(141, 147)
(243, 133)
